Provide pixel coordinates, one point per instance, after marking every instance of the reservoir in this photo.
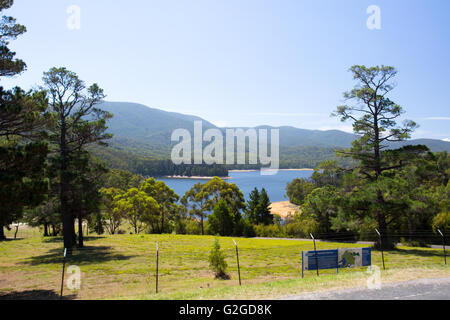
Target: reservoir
(275, 185)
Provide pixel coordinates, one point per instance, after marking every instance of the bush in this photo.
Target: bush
(441, 221)
(193, 227)
(297, 230)
(180, 226)
(248, 229)
(270, 231)
(217, 262)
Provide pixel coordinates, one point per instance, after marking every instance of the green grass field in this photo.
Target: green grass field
(123, 267)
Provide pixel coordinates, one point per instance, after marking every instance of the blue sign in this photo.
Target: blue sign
(335, 259)
(327, 259)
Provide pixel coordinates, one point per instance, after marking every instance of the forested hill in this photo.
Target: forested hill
(143, 133)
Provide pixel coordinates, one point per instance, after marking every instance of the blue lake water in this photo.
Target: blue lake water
(275, 185)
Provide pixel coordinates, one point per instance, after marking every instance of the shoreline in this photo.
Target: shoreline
(226, 178)
(194, 177)
(255, 170)
(284, 209)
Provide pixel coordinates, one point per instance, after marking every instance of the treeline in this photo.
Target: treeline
(131, 203)
(151, 167)
(155, 163)
(159, 168)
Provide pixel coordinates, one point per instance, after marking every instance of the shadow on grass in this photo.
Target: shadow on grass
(60, 239)
(85, 256)
(34, 295)
(11, 239)
(419, 252)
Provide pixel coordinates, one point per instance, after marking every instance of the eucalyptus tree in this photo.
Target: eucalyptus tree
(166, 198)
(139, 208)
(112, 216)
(217, 189)
(195, 201)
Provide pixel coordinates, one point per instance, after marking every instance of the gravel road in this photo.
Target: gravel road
(423, 289)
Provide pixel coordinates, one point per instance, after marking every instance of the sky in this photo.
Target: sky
(244, 63)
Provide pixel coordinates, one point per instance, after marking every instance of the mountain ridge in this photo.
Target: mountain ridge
(141, 132)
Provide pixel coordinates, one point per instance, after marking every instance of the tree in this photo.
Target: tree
(9, 30)
(217, 261)
(78, 124)
(321, 205)
(195, 200)
(22, 124)
(252, 206)
(46, 215)
(217, 189)
(374, 118)
(264, 214)
(221, 221)
(166, 199)
(113, 216)
(298, 189)
(84, 195)
(327, 173)
(122, 179)
(139, 208)
(258, 208)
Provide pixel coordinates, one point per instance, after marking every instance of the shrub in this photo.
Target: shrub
(193, 227)
(180, 226)
(297, 230)
(441, 221)
(249, 230)
(270, 231)
(217, 262)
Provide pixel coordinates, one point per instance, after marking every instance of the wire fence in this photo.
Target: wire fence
(417, 238)
(183, 262)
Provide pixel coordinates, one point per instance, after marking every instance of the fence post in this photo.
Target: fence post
(303, 268)
(63, 269)
(381, 246)
(157, 266)
(237, 258)
(315, 253)
(443, 244)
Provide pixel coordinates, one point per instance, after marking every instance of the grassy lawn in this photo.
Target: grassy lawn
(123, 267)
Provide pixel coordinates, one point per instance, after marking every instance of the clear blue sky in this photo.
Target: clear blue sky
(245, 62)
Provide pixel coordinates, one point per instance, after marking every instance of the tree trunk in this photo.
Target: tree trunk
(17, 230)
(80, 231)
(45, 229)
(74, 234)
(201, 222)
(2, 233)
(162, 222)
(67, 217)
